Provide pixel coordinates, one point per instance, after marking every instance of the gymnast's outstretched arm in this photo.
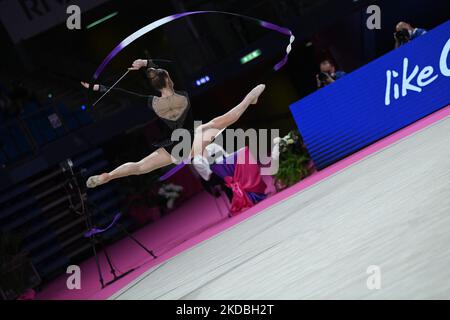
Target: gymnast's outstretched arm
(102, 88)
(136, 65)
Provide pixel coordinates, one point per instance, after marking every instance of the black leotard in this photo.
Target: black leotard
(183, 121)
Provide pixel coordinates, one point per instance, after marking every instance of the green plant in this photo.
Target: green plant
(294, 160)
(292, 169)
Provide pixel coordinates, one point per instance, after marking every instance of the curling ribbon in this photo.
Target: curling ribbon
(95, 231)
(158, 23)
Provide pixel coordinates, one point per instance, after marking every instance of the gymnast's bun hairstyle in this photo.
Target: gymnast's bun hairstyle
(157, 77)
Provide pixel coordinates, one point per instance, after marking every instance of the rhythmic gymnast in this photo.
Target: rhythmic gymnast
(174, 109)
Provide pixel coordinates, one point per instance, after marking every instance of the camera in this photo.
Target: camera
(323, 76)
(402, 36)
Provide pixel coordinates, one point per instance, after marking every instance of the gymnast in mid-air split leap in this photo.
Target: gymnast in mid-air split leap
(174, 109)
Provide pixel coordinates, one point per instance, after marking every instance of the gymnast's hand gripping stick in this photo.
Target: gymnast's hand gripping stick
(110, 88)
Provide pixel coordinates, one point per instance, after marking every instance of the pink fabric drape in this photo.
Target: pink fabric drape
(246, 178)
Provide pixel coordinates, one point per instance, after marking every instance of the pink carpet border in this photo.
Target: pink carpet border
(302, 185)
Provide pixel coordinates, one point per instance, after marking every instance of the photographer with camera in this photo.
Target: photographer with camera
(404, 33)
(327, 74)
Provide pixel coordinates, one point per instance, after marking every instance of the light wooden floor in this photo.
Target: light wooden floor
(390, 210)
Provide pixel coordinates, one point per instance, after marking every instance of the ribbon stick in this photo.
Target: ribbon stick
(120, 79)
(110, 88)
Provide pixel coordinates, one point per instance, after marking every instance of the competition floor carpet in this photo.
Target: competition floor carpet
(390, 209)
(387, 205)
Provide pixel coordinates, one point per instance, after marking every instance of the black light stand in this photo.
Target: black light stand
(87, 207)
(95, 208)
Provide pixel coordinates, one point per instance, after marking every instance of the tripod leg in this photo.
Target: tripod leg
(150, 252)
(112, 270)
(105, 252)
(92, 240)
(97, 262)
(111, 267)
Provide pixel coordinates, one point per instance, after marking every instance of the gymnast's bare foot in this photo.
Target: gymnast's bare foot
(255, 93)
(96, 181)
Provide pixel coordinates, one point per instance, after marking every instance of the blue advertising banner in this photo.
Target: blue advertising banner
(378, 99)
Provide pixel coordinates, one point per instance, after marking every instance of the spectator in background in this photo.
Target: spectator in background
(328, 74)
(404, 32)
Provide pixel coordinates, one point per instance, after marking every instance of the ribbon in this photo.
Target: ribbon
(158, 23)
(95, 231)
(174, 170)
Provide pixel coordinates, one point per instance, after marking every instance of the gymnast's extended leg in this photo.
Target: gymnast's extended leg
(158, 159)
(206, 133)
